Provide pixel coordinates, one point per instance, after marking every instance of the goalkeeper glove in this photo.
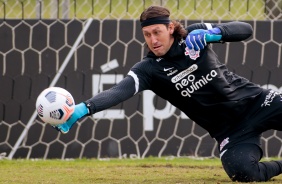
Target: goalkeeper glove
(197, 39)
(80, 111)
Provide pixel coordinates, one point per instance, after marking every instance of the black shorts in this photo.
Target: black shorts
(266, 114)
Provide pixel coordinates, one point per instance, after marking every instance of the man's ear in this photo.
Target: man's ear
(171, 28)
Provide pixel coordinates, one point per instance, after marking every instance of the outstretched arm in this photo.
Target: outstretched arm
(113, 96)
(137, 80)
(197, 37)
(230, 31)
(106, 99)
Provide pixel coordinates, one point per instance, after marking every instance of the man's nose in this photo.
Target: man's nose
(154, 39)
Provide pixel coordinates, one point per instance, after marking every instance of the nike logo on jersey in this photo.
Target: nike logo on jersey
(159, 59)
(181, 41)
(167, 69)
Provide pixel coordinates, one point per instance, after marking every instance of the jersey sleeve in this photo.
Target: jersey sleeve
(142, 74)
(136, 81)
(230, 31)
(111, 97)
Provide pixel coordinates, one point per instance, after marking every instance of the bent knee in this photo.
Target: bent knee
(241, 164)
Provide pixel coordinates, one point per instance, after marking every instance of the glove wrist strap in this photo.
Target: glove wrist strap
(90, 107)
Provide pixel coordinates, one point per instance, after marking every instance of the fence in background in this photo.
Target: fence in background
(37, 37)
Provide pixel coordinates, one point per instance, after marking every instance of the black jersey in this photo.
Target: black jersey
(197, 83)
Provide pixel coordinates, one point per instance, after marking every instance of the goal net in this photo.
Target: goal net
(87, 46)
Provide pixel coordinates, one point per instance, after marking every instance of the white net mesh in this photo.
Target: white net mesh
(144, 125)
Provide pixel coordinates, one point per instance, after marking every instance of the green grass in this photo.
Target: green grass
(114, 171)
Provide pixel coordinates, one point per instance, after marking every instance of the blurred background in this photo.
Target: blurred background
(87, 46)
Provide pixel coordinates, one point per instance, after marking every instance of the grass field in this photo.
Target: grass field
(115, 171)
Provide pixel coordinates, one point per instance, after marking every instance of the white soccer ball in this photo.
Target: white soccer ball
(55, 105)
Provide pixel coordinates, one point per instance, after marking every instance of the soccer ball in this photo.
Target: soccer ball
(55, 105)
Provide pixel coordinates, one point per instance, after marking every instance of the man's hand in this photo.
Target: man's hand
(197, 40)
(80, 111)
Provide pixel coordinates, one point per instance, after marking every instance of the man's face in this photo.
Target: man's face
(159, 38)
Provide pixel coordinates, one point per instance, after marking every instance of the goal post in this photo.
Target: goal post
(87, 46)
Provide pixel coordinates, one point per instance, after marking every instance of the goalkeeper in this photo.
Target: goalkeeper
(182, 68)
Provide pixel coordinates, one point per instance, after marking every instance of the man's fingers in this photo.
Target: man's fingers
(196, 42)
(189, 43)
